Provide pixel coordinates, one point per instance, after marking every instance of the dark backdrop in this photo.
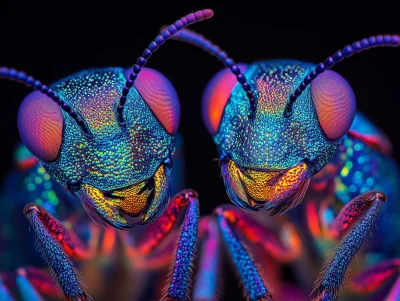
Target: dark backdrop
(51, 48)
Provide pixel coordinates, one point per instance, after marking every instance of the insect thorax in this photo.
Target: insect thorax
(271, 141)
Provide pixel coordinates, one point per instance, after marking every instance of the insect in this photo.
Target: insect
(30, 183)
(93, 158)
(276, 126)
(108, 136)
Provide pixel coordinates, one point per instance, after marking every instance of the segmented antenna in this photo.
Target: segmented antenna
(29, 81)
(153, 46)
(347, 51)
(198, 40)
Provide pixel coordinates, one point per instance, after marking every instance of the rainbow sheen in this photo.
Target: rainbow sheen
(115, 156)
(270, 141)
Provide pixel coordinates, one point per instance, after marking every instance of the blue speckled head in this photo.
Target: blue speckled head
(271, 150)
(119, 170)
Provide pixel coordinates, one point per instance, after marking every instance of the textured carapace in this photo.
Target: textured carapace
(264, 157)
(272, 147)
(160, 95)
(116, 168)
(257, 145)
(115, 156)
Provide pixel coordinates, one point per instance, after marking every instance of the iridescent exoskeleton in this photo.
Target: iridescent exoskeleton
(276, 124)
(108, 137)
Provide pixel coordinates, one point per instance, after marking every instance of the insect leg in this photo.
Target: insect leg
(55, 243)
(207, 284)
(374, 277)
(394, 294)
(41, 280)
(237, 227)
(354, 222)
(25, 287)
(179, 280)
(4, 292)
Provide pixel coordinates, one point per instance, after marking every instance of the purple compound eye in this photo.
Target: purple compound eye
(216, 95)
(160, 95)
(40, 125)
(334, 103)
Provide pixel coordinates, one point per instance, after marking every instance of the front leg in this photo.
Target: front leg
(237, 228)
(354, 222)
(394, 294)
(25, 287)
(376, 276)
(208, 275)
(143, 250)
(57, 244)
(4, 292)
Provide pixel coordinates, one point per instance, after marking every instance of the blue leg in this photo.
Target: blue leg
(356, 219)
(208, 274)
(5, 294)
(26, 289)
(51, 238)
(178, 284)
(253, 282)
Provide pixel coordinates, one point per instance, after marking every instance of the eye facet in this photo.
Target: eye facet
(40, 125)
(160, 95)
(334, 103)
(216, 95)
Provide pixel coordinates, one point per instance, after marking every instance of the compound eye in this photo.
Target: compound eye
(334, 103)
(216, 95)
(160, 95)
(40, 125)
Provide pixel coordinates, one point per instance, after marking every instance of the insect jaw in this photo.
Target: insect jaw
(125, 207)
(278, 190)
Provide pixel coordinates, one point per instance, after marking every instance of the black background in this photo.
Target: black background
(49, 46)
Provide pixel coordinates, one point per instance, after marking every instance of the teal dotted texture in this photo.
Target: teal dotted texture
(270, 141)
(115, 157)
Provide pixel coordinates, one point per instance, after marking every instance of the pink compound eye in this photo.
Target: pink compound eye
(216, 95)
(160, 95)
(334, 103)
(40, 125)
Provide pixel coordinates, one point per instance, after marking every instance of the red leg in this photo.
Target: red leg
(375, 276)
(57, 244)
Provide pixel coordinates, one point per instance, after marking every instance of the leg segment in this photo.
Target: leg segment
(52, 239)
(144, 251)
(41, 280)
(376, 276)
(5, 293)
(253, 282)
(394, 294)
(179, 282)
(357, 218)
(206, 287)
(26, 289)
(235, 225)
